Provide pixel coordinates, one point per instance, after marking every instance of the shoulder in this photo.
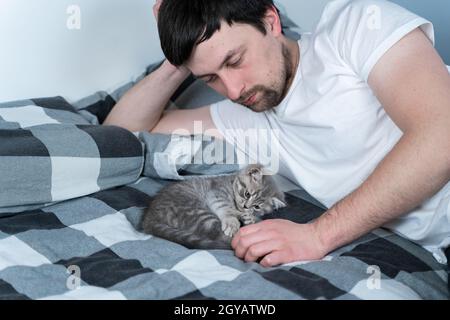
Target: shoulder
(359, 32)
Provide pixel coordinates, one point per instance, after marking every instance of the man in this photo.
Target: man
(362, 106)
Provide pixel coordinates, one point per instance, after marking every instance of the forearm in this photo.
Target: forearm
(142, 106)
(417, 168)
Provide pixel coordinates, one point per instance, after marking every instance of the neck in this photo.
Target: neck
(294, 54)
(291, 53)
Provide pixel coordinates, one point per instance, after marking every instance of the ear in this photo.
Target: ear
(278, 204)
(273, 21)
(255, 172)
(237, 185)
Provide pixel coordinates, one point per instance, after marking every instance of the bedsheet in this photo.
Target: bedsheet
(88, 248)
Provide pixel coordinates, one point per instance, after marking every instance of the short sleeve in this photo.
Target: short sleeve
(362, 31)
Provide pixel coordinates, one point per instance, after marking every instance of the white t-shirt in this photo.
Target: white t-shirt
(331, 131)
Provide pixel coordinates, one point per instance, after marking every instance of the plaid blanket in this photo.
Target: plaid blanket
(83, 244)
(88, 248)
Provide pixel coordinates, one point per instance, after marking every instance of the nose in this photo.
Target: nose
(234, 87)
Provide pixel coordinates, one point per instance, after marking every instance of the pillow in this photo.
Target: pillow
(177, 157)
(50, 153)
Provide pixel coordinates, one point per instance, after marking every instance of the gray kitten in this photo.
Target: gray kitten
(205, 213)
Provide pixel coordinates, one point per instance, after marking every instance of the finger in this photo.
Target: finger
(156, 7)
(245, 242)
(252, 228)
(261, 249)
(244, 232)
(274, 258)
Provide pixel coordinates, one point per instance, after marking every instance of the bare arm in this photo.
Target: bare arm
(413, 84)
(140, 109)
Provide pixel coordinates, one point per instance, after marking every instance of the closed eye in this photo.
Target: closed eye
(235, 64)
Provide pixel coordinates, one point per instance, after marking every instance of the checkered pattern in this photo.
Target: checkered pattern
(50, 153)
(87, 246)
(97, 234)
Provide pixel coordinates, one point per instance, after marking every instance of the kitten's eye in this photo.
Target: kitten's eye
(257, 207)
(247, 195)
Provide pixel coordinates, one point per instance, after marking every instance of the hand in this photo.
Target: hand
(181, 72)
(156, 9)
(279, 242)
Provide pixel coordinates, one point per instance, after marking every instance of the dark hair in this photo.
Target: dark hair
(183, 24)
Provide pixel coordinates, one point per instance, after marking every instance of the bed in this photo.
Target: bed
(73, 191)
(83, 244)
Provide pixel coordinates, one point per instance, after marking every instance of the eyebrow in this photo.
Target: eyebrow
(227, 58)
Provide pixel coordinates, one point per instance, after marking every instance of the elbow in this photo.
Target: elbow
(439, 139)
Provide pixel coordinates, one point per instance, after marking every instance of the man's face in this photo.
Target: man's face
(246, 66)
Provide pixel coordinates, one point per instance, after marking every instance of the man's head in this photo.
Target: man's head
(236, 46)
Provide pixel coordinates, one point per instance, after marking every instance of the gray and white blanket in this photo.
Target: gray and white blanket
(72, 192)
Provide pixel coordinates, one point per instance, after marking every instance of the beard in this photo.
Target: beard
(271, 96)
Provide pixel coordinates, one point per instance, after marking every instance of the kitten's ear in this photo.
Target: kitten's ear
(278, 204)
(237, 185)
(255, 172)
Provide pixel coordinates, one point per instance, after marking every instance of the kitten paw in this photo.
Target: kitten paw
(248, 219)
(230, 226)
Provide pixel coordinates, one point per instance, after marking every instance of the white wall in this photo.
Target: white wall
(305, 13)
(40, 56)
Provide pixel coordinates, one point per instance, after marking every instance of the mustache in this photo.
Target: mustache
(250, 93)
